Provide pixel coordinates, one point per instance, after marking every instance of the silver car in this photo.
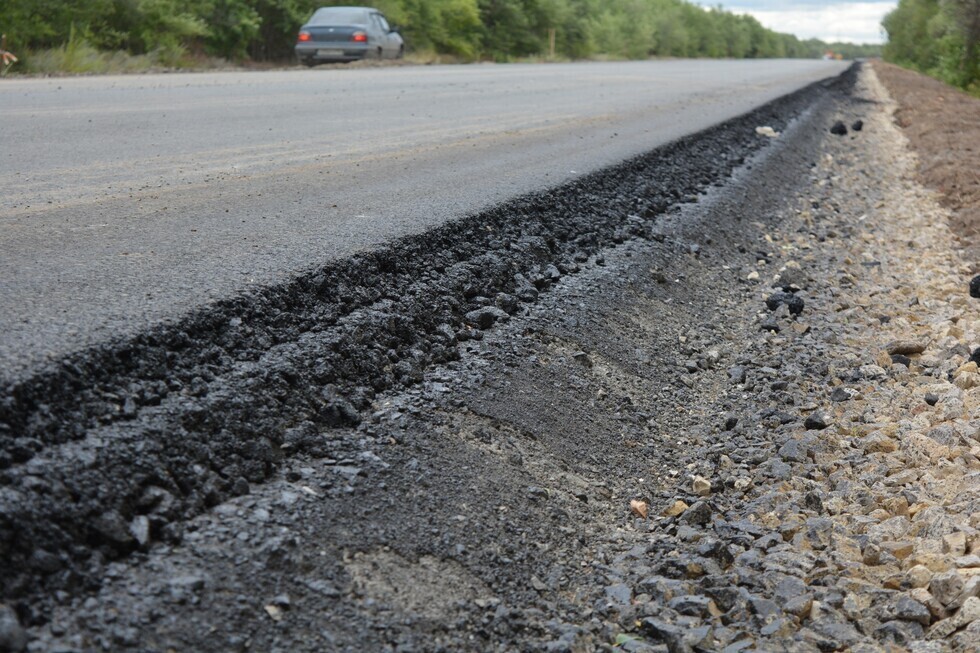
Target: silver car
(347, 34)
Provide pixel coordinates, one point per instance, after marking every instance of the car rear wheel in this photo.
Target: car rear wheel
(401, 53)
(309, 63)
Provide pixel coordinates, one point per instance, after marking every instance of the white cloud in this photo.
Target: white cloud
(856, 22)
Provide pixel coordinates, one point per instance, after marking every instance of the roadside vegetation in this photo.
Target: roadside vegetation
(940, 38)
(80, 36)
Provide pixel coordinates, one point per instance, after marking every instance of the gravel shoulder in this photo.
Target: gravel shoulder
(752, 424)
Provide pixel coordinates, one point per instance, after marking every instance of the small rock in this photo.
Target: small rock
(639, 508)
(857, 125)
(975, 286)
(908, 609)
(919, 576)
(673, 636)
(701, 486)
(737, 374)
(799, 606)
(281, 601)
(698, 515)
(792, 302)
(901, 359)
(931, 398)
(770, 324)
(842, 393)
(618, 594)
(905, 347)
(968, 614)
(946, 587)
(793, 451)
(506, 302)
(13, 638)
(898, 632)
(818, 421)
(936, 609)
(842, 633)
(692, 605)
(140, 529)
(676, 508)
(113, 528)
(955, 543)
(485, 317)
(839, 129)
(275, 612)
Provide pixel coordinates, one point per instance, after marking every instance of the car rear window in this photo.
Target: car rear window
(339, 16)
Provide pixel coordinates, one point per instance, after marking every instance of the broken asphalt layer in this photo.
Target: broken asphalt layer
(354, 375)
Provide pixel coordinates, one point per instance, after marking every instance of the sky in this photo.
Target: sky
(828, 20)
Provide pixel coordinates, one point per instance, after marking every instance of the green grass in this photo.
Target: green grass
(79, 57)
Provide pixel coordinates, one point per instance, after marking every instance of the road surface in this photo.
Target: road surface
(127, 200)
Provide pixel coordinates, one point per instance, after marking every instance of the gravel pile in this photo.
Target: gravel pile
(832, 499)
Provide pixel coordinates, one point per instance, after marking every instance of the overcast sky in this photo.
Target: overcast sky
(828, 20)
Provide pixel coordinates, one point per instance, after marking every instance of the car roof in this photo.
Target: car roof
(348, 7)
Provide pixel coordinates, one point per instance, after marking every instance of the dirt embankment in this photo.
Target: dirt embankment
(943, 127)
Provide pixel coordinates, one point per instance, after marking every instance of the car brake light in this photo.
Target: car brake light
(304, 36)
(359, 37)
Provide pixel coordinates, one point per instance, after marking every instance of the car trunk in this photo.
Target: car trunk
(333, 33)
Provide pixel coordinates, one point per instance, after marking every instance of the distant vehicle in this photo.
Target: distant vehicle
(347, 34)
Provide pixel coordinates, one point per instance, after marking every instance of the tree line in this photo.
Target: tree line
(938, 37)
(501, 30)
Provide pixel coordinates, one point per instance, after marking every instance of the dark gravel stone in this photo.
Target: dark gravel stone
(737, 374)
(113, 528)
(858, 125)
(669, 634)
(507, 303)
(975, 356)
(770, 324)
(485, 317)
(842, 393)
(813, 502)
(691, 605)
(730, 422)
(13, 639)
(839, 129)
(698, 515)
(793, 451)
(793, 302)
(975, 286)
(900, 632)
(901, 359)
(931, 398)
(619, 594)
(908, 609)
(817, 421)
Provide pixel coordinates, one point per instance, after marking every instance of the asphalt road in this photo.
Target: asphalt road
(125, 201)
